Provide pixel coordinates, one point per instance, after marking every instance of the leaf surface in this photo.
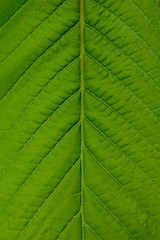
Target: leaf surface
(79, 120)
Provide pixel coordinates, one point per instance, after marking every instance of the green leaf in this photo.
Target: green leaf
(79, 120)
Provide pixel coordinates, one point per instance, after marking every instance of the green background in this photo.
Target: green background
(79, 120)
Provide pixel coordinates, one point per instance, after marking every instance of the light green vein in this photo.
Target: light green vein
(82, 103)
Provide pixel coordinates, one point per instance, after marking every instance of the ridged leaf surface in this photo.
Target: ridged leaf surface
(79, 120)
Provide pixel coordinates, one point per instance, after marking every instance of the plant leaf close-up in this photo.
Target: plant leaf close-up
(79, 120)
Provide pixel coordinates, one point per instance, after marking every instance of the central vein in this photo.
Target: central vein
(82, 103)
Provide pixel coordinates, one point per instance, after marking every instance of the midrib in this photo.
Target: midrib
(82, 103)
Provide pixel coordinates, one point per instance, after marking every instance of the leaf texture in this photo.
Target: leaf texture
(79, 120)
